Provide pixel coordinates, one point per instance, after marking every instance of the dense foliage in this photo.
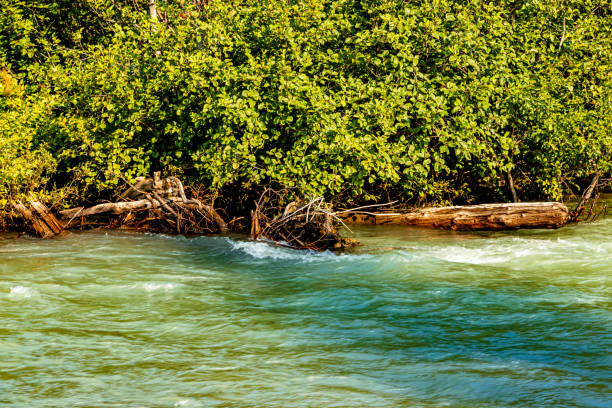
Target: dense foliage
(356, 100)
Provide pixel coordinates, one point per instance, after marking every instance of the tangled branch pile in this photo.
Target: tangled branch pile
(154, 205)
(298, 224)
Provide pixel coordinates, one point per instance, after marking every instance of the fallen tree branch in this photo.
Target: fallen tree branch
(116, 208)
(44, 224)
(586, 196)
(42, 230)
(356, 209)
(163, 204)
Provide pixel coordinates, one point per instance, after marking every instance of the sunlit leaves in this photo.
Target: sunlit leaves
(350, 99)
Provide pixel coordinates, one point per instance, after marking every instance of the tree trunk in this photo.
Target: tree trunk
(483, 217)
(152, 10)
(511, 184)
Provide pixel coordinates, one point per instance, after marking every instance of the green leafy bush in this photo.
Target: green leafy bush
(355, 100)
(24, 167)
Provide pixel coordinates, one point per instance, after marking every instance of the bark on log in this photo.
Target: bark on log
(485, 217)
(47, 217)
(40, 227)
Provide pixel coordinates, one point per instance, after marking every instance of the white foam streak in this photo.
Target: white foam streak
(21, 292)
(188, 403)
(153, 287)
(262, 250)
(505, 251)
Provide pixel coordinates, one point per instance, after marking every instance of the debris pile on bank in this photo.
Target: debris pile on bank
(311, 225)
(151, 204)
(155, 204)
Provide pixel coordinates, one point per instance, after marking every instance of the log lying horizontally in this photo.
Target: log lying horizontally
(485, 217)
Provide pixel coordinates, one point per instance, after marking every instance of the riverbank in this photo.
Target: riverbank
(300, 225)
(161, 205)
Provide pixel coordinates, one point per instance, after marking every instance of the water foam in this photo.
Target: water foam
(501, 251)
(268, 251)
(153, 287)
(188, 403)
(262, 250)
(21, 292)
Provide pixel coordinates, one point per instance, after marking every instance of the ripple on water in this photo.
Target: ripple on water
(515, 250)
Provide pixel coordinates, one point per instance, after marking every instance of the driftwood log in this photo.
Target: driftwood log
(485, 217)
(43, 222)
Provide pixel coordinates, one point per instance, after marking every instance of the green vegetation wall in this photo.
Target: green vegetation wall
(356, 100)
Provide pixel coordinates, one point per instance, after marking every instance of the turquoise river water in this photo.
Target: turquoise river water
(413, 318)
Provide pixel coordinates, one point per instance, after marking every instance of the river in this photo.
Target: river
(413, 318)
